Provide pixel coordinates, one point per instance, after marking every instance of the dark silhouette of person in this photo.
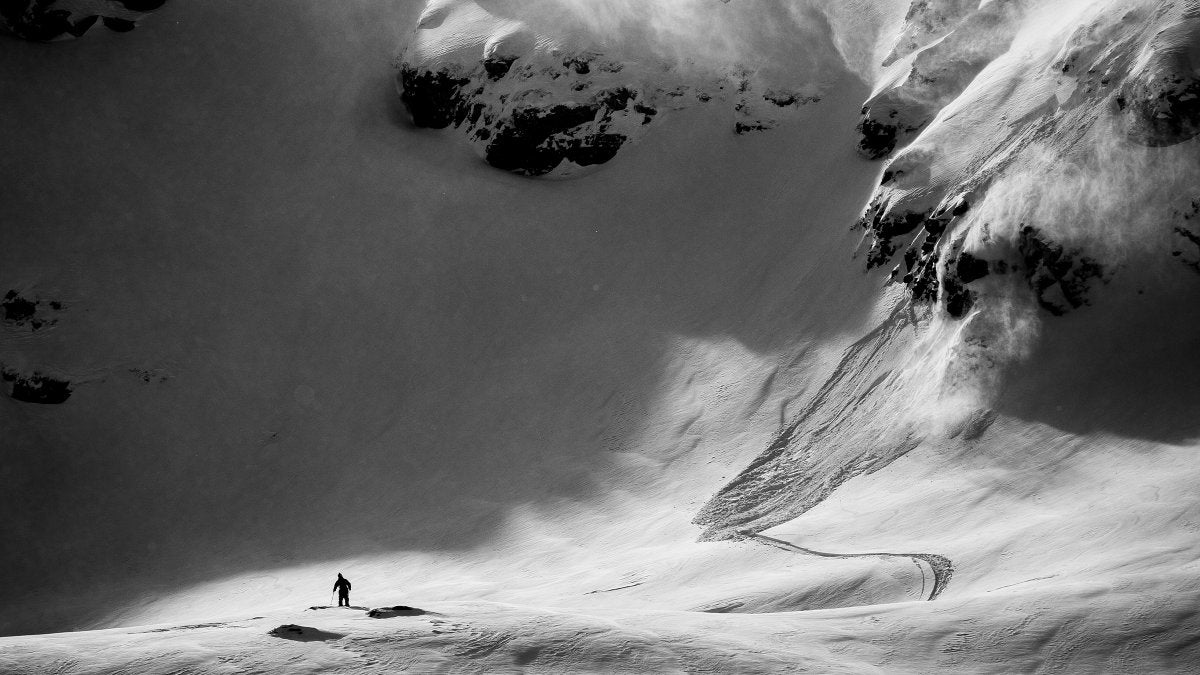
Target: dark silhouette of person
(342, 586)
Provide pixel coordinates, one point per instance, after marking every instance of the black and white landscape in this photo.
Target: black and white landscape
(600, 336)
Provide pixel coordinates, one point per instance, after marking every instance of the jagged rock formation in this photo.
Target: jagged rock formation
(50, 20)
(527, 130)
(20, 310)
(539, 107)
(944, 45)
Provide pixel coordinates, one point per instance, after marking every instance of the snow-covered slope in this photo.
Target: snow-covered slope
(861, 339)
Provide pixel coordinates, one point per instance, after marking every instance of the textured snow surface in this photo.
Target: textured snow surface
(861, 338)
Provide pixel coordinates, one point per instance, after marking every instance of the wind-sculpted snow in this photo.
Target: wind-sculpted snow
(49, 20)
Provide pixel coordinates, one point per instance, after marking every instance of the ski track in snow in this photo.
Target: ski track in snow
(939, 566)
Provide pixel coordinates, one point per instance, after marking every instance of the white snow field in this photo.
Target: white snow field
(613, 336)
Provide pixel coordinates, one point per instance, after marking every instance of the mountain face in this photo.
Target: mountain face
(655, 312)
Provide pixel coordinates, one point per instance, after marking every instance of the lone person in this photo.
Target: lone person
(342, 586)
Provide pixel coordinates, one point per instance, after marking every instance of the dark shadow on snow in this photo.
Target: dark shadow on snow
(398, 610)
(1128, 365)
(291, 631)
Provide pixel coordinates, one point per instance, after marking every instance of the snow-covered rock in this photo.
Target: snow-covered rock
(49, 20)
(552, 104)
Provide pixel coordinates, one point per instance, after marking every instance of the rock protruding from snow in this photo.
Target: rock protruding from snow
(34, 386)
(944, 45)
(551, 105)
(50, 20)
(394, 611)
(291, 631)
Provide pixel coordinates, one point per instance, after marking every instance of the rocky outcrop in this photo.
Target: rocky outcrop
(20, 310)
(51, 20)
(34, 387)
(1161, 97)
(526, 129)
(433, 99)
(880, 133)
(944, 45)
(1187, 242)
(961, 270)
(1059, 278)
(541, 107)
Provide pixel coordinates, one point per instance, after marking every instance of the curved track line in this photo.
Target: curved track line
(940, 566)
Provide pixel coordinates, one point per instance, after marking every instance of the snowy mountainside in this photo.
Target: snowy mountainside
(861, 339)
(1027, 189)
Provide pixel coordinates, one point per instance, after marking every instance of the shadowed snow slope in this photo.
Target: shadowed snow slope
(268, 317)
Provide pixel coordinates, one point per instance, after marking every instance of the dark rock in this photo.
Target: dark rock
(878, 139)
(17, 308)
(592, 149)
(580, 64)
(49, 20)
(22, 311)
(958, 299)
(885, 226)
(522, 145)
(747, 127)
(397, 610)
(647, 112)
(781, 99)
(35, 387)
(432, 99)
(880, 253)
(498, 67)
(615, 99)
(923, 281)
(82, 26)
(888, 226)
(1162, 108)
(787, 98)
(961, 269)
(291, 631)
(1054, 273)
(969, 268)
(1194, 239)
